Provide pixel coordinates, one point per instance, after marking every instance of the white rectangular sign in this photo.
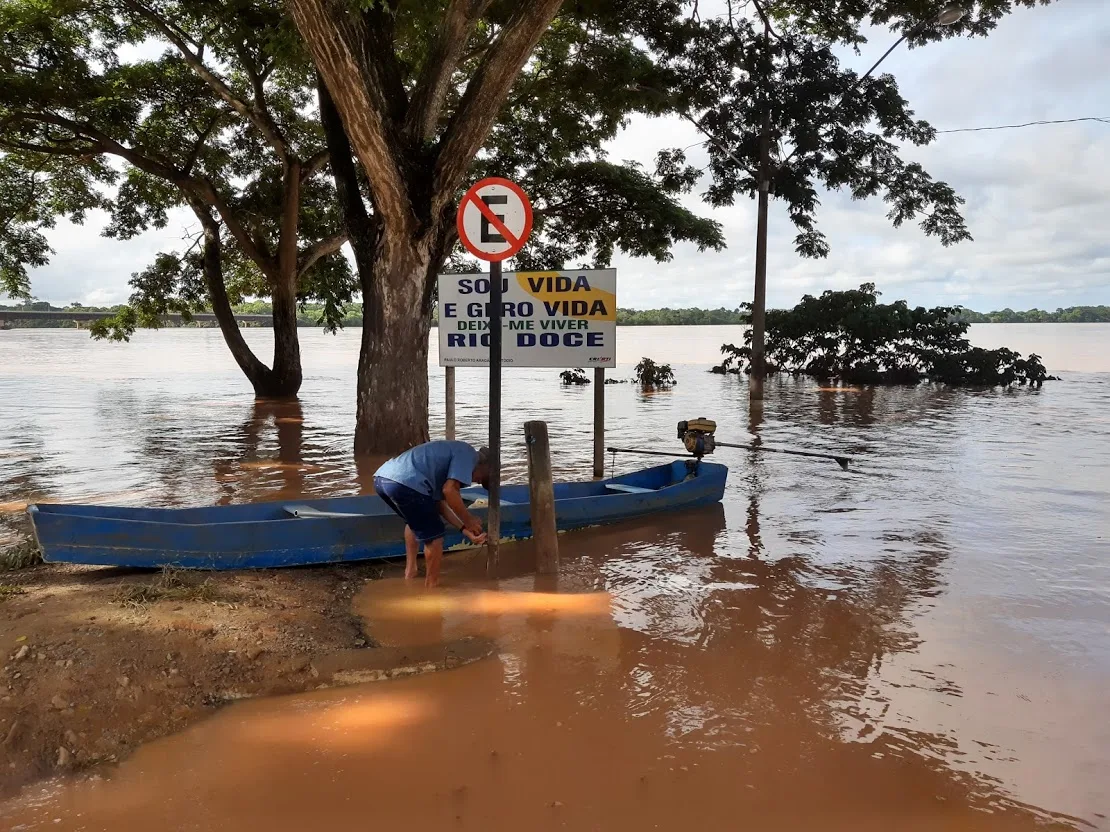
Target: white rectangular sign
(549, 319)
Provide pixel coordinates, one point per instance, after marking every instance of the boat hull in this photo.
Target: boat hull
(338, 529)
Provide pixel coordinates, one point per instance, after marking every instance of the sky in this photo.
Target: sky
(1038, 198)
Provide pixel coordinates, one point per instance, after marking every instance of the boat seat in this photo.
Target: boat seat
(310, 512)
(483, 502)
(627, 489)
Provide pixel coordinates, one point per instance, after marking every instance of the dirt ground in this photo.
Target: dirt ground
(97, 661)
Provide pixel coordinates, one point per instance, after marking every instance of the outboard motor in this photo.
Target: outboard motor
(697, 436)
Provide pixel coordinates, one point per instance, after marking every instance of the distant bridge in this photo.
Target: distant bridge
(77, 317)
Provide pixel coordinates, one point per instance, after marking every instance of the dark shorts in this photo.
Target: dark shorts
(419, 511)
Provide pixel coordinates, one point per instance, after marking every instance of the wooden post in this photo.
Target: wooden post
(541, 497)
(449, 407)
(493, 517)
(599, 422)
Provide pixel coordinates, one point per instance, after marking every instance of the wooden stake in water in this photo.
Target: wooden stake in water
(541, 497)
(494, 516)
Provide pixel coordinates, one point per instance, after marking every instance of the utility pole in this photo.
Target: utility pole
(759, 302)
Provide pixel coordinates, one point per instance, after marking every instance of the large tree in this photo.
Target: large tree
(219, 119)
(786, 119)
(430, 95)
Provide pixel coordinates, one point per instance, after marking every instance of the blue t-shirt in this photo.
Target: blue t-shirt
(426, 468)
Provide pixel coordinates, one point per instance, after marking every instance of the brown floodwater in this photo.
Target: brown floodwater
(920, 643)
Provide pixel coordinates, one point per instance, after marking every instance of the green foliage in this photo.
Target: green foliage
(92, 115)
(34, 192)
(652, 376)
(849, 336)
(172, 285)
(594, 67)
(844, 20)
(828, 126)
(575, 376)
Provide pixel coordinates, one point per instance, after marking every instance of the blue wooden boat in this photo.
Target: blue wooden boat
(338, 529)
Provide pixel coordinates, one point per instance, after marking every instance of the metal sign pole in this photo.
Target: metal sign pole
(449, 402)
(493, 236)
(494, 515)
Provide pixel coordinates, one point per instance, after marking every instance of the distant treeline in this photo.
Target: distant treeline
(311, 315)
(1071, 315)
(680, 317)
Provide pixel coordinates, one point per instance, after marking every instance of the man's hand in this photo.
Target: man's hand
(477, 539)
(472, 524)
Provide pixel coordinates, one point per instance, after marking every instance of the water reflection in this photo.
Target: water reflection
(269, 451)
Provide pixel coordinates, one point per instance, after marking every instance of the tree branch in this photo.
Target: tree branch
(193, 186)
(201, 139)
(340, 45)
(49, 149)
(486, 92)
(257, 114)
(290, 219)
(318, 250)
(443, 59)
(314, 164)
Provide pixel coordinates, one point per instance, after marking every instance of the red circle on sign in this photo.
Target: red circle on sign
(516, 243)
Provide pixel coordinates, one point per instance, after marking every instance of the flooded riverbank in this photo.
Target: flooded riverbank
(922, 642)
(654, 684)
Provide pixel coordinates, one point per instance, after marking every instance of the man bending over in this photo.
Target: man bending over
(422, 487)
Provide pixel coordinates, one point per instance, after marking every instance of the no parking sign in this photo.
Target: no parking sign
(494, 219)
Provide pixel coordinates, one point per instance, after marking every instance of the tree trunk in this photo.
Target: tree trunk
(393, 364)
(285, 378)
(287, 346)
(258, 374)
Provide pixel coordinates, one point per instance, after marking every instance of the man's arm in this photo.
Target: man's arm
(454, 501)
(452, 520)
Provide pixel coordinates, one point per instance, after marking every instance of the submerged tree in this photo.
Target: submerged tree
(221, 123)
(849, 336)
(652, 376)
(577, 376)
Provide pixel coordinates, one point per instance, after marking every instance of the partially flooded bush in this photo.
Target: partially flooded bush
(575, 376)
(652, 376)
(850, 337)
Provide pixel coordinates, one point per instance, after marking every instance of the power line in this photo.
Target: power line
(1102, 119)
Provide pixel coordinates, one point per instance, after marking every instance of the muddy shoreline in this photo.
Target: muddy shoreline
(99, 661)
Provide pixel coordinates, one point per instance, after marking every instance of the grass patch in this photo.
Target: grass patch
(171, 584)
(8, 590)
(21, 556)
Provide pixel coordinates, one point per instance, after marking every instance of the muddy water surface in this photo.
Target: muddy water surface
(921, 643)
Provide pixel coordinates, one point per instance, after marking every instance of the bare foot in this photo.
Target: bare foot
(410, 574)
(430, 582)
